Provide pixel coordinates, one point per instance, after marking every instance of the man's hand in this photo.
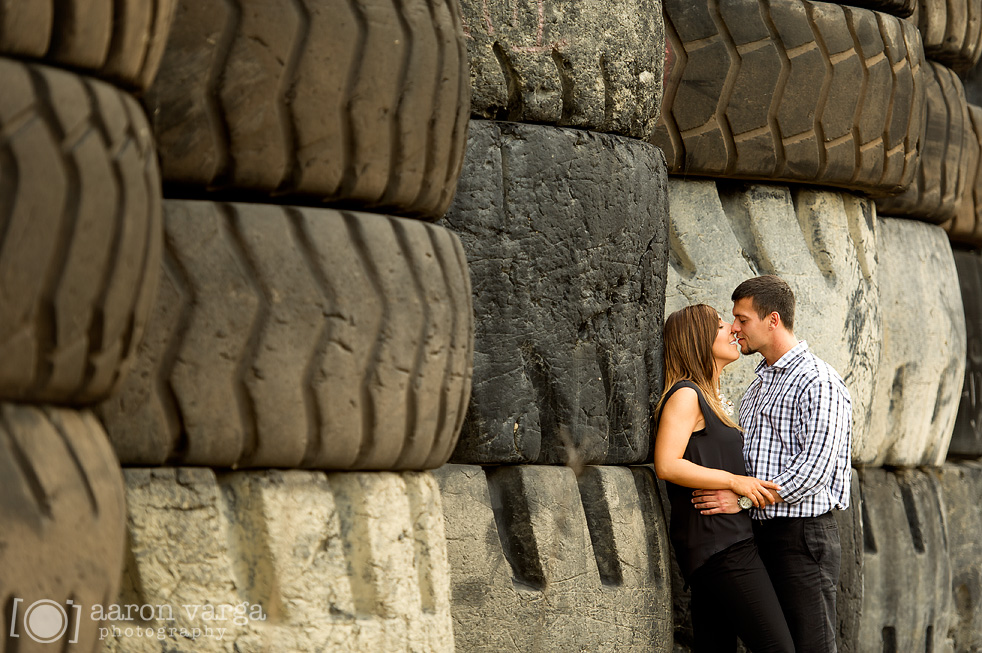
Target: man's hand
(716, 502)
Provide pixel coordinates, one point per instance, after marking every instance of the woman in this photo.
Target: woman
(699, 446)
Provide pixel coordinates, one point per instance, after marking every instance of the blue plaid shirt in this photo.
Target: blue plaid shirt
(797, 421)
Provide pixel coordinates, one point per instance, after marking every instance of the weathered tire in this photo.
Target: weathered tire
(823, 242)
(117, 40)
(80, 234)
(64, 526)
(352, 561)
(906, 568)
(944, 166)
(951, 31)
(961, 484)
(592, 64)
(917, 388)
(566, 237)
(966, 226)
(324, 102)
(791, 90)
(311, 338)
(966, 439)
(533, 548)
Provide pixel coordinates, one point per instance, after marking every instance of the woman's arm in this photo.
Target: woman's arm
(681, 416)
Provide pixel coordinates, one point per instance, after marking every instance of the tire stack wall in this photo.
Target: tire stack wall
(80, 250)
(309, 355)
(863, 96)
(561, 210)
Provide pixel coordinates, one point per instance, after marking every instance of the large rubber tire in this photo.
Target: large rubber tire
(966, 226)
(64, 525)
(945, 163)
(966, 438)
(591, 64)
(350, 562)
(307, 338)
(324, 102)
(118, 40)
(791, 90)
(80, 234)
(951, 31)
(567, 237)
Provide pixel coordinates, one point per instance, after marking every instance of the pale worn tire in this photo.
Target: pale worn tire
(590, 64)
(358, 104)
(117, 40)
(64, 521)
(299, 338)
(791, 90)
(80, 234)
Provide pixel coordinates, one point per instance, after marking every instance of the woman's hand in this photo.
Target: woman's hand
(755, 488)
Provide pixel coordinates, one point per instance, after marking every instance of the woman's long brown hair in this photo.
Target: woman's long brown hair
(688, 354)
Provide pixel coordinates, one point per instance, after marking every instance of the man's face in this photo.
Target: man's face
(748, 327)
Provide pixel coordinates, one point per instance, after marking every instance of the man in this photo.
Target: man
(797, 422)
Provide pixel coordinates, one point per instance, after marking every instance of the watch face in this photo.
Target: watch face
(745, 503)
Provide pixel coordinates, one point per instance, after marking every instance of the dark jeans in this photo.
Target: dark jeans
(733, 596)
(803, 557)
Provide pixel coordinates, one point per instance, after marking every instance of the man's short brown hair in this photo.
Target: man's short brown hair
(768, 294)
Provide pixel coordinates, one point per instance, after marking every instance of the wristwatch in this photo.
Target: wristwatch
(745, 503)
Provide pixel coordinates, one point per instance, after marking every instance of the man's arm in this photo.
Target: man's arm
(826, 421)
(717, 502)
(824, 426)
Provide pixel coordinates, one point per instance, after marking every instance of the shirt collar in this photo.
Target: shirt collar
(784, 361)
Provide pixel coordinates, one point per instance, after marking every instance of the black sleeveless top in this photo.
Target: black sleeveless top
(696, 537)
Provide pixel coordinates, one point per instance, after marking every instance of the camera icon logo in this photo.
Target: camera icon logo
(46, 621)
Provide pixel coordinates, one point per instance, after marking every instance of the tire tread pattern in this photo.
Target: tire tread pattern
(944, 168)
(120, 41)
(769, 91)
(310, 338)
(63, 513)
(349, 103)
(80, 234)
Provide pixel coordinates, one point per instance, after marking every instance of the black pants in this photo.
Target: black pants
(803, 557)
(732, 596)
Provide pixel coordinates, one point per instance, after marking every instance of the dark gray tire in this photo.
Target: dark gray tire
(299, 338)
(966, 439)
(64, 523)
(324, 102)
(791, 90)
(961, 484)
(951, 31)
(944, 166)
(591, 64)
(80, 234)
(117, 40)
(907, 597)
(566, 235)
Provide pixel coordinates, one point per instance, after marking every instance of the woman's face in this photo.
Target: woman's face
(726, 349)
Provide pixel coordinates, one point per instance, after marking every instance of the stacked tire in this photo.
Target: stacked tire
(561, 209)
(309, 354)
(863, 96)
(80, 252)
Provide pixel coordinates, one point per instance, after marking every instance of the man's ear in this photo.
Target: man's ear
(774, 320)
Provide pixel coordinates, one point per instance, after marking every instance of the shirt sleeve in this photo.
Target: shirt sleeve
(822, 425)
